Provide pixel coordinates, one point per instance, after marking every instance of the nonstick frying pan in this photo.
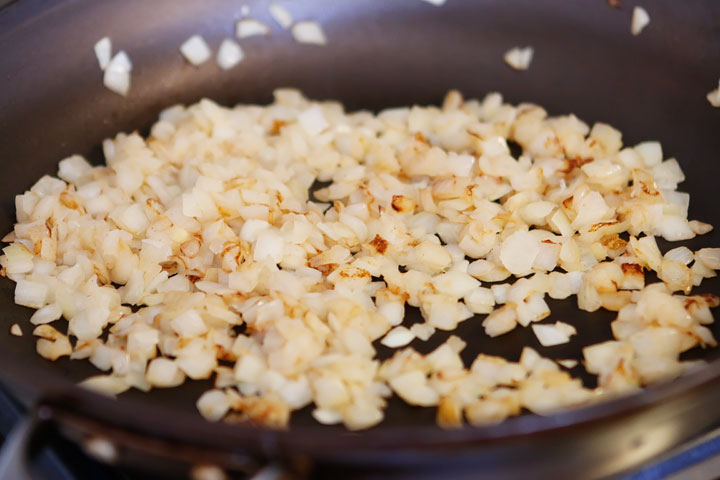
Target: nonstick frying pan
(380, 53)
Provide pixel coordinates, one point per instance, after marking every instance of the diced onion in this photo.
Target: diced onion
(105, 384)
(195, 50)
(640, 20)
(213, 405)
(249, 27)
(519, 58)
(714, 96)
(309, 32)
(229, 54)
(117, 74)
(398, 337)
(199, 253)
(103, 52)
(31, 294)
(163, 372)
(281, 15)
(553, 334)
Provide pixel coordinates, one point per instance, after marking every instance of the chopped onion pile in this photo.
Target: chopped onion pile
(198, 253)
(519, 58)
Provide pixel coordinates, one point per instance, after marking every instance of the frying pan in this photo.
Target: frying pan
(379, 54)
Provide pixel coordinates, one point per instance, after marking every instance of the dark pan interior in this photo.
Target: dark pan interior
(379, 54)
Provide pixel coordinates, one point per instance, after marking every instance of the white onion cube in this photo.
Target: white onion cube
(229, 54)
(309, 32)
(249, 27)
(195, 50)
(103, 52)
(281, 15)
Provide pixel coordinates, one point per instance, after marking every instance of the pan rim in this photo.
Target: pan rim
(139, 415)
(177, 425)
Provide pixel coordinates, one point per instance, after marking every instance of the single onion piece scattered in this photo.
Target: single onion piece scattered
(309, 32)
(553, 334)
(121, 61)
(103, 52)
(229, 54)
(16, 330)
(195, 50)
(640, 20)
(519, 58)
(714, 96)
(117, 74)
(281, 15)
(437, 3)
(105, 384)
(249, 27)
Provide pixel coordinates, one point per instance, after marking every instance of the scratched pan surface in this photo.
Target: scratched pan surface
(380, 54)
